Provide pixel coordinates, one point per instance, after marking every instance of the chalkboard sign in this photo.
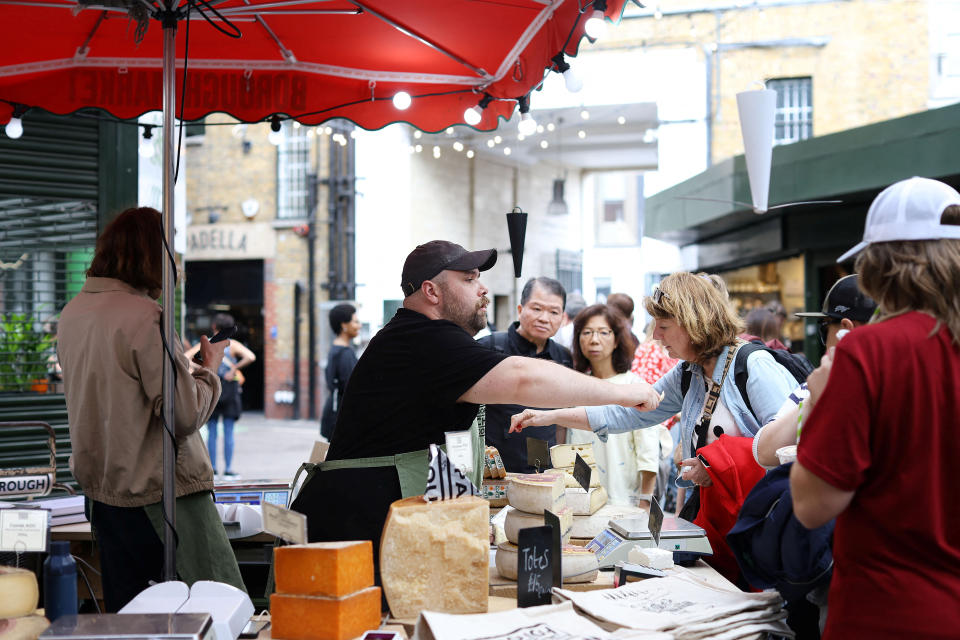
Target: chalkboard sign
(551, 520)
(535, 560)
(538, 453)
(581, 473)
(655, 521)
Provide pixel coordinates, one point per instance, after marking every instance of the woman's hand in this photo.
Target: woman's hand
(530, 418)
(696, 473)
(817, 381)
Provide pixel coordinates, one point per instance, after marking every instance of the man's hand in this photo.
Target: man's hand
(212, 354)
(642, 396)
(817, 380)
(529, 418)
(697, 473)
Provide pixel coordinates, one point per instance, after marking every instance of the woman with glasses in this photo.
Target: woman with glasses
(696, 324)
(627, 462)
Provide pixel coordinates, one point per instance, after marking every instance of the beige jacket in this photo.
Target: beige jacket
(110, 349)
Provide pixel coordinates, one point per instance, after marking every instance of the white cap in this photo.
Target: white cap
(908, 210)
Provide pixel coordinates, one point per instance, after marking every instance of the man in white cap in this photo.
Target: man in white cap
(879, 450)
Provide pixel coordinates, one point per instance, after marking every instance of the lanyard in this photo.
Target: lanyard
(713, 395)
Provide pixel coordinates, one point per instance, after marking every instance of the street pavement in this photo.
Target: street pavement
(268, 449)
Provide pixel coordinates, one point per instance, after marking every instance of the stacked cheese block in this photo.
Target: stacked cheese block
(436, 556)
(495, 481)
(584, 504)
(324, 591)
(563, 457)
(530, 496)
(18, 603)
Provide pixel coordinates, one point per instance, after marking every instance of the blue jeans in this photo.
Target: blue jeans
(227, 441)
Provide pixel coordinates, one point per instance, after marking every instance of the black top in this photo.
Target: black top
(403, 393)
(513, 446)
(340, 363)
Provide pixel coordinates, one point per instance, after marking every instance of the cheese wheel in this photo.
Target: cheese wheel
(591, 526)
(537, 492)
(22, 628)
(324, 568)
(517, 520)
(297, 617)
(565, 455)
(18, 592)
(650, 557)
(578, 564)
(584, 503)
(570, 482)
(435, 555)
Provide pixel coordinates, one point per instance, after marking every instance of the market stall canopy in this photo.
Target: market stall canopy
(304, 59)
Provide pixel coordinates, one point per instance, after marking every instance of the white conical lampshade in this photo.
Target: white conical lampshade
(757, 109)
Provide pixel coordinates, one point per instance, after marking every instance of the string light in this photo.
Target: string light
(458, 146)
(474, 115)
(436, 152)
(402, 100)
(275, 136)
(470, 153)
(527, 125)
(14, 128)
(544, 144)
(596, 25)
(621, 120)
(585, 115)
(146, 149)
(570, 79)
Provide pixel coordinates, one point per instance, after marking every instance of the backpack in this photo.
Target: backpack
(796, 363)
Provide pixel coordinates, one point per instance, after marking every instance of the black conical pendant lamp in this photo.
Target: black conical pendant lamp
(517, 228)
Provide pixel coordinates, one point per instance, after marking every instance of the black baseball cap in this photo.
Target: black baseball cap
(845, 300)
(429, 259)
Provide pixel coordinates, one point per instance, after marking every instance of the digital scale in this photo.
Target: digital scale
(685, 539)
(173, 626)
(252, 493)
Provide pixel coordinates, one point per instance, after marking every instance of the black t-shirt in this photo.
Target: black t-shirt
(403, 393)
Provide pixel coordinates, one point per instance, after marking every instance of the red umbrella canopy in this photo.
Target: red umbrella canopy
(304, 59)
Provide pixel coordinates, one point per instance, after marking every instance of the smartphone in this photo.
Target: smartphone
(226, 334)
(703, 460)
(253, 628)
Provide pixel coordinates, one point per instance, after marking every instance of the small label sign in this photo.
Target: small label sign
(319, 453)
(23, 530)
(581, 473)
(655, 520)
(538, 453)
(283, 523)
(535, 571)
(551, 520)
(460, 450)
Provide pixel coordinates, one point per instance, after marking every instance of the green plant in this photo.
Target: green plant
(23, 352)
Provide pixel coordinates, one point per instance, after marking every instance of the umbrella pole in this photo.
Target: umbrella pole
(169, 284)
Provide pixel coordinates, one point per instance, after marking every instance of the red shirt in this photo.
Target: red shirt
(887, 428)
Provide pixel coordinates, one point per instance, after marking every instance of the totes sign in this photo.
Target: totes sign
(536, 556)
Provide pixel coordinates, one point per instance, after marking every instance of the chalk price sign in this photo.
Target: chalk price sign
(536, 557)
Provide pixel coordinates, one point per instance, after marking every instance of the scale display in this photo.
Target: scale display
(253, 496)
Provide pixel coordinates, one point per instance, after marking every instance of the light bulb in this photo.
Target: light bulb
(417, 134)
(436, 152)
(472, 116)
(418, 148)
(527, 125)
(458, 146)
(572, 82)
(449, 131)
(581, 134)
(506, 151)
(497, 139)
(14, 128)
(402, 100)
(275, 138)
(596, 26)
(470, 153)
(585, 115)
(491, 144)
(621, 120)
(146, 149)
(544, 144)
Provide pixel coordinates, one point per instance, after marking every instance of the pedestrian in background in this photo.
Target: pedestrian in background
(340, 363)
(575, 304)
(624, 304)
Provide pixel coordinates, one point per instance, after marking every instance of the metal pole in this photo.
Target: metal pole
(169, 283)
(297, 292)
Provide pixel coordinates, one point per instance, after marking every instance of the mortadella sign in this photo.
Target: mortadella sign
(230, 241)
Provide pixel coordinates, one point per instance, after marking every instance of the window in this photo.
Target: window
(293, 165)
(570, 270)
(794, 115)
(612, 210)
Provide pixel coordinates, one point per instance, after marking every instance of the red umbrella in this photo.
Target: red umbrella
(310, 60)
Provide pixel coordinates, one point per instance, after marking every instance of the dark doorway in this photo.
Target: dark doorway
(234, 287)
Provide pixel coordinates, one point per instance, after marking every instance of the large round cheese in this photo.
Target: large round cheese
(517, 520)
(578, 564)
(22, 628)
(537, 492)
(436, 556)
(18, 592)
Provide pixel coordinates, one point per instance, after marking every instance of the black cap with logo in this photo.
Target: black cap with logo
(429, 259)
(845, 300)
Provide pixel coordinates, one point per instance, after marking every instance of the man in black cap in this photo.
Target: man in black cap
(421, 376)
(845, 307)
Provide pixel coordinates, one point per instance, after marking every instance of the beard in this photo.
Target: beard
(471, 317)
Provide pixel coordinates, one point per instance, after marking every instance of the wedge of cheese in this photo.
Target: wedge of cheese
(650, 557)
(296, 617)
(435, 555)
(578, 564)
(18, 592)
(324, 568)
(537, 492)
(565, 455)
(23, 628)
(570, 482)
(517, 520)
(589, 527)
(585, 503)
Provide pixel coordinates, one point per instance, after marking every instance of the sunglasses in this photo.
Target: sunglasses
(822, 328)
(658, 295)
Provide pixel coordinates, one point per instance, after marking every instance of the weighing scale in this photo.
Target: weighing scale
(253, 493)
(685, 539)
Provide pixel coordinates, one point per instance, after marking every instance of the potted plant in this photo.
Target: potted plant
(24, 354)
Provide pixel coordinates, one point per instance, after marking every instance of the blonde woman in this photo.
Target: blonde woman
(603, 348)
(879, 450)
(696, 324)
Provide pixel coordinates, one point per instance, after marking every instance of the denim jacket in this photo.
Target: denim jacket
(768, 385)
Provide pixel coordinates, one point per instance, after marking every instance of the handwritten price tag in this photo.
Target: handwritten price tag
(535, 570)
